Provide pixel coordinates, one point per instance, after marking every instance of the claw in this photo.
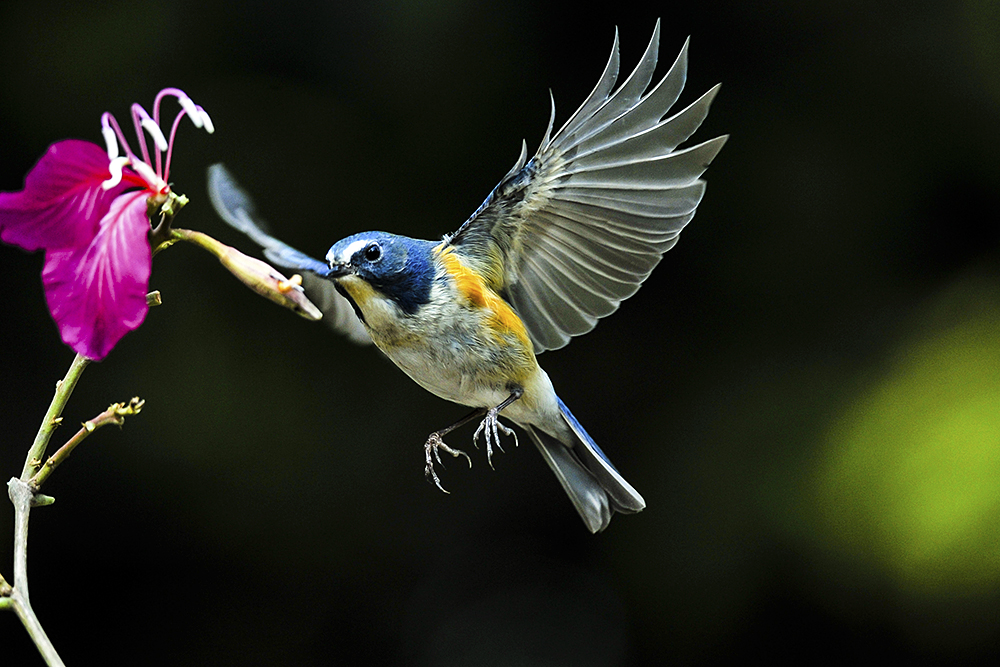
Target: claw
(489, 429)
(432, 451)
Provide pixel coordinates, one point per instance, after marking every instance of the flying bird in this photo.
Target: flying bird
(559, 243)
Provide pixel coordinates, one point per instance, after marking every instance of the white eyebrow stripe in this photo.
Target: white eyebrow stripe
(353, 248)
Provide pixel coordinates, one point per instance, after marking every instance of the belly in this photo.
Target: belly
(479, 385)
(462, 371)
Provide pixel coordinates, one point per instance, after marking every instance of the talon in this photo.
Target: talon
(490, 428)
(432, 452)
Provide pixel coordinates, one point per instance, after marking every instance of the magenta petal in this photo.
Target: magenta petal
(97, 294)
(62, 202)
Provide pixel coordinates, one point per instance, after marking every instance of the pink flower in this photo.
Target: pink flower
(88, 209)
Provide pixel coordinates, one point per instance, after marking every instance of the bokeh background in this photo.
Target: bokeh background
(806, 391)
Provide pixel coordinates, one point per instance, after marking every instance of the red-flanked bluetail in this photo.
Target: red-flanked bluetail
(565, 237)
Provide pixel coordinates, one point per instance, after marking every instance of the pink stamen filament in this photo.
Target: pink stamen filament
(173, 92)
(143, 123)
(179, 95)
(153, 181)
(137, 122)
(170, 145)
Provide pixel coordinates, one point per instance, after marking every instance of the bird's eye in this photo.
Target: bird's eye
(373, 252)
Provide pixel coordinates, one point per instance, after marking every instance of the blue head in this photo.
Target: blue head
(397, 268)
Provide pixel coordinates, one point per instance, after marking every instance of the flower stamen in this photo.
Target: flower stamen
(147, 174)
(191, 108)
(199, 118)
(206, 120)
(116, 172)
(150, 126)
(109, 126)
(156, 177)
(110, 140)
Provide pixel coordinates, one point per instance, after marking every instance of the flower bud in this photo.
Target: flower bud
(258, 275)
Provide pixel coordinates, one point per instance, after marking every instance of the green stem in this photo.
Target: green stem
(64, 389)
(113, 415)
(201, 240)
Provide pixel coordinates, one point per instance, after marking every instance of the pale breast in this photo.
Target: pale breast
(451, 349)
(464, 345)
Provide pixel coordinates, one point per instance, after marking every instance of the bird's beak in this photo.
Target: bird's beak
(338, 269)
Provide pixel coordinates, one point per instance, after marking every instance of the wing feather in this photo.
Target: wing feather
(653, 106)
(597, 96)
(671, 170)
(570, 233)
(624, 98)
(655, 141)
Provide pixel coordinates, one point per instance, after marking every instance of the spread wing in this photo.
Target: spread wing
(234, 205)
(569, 234)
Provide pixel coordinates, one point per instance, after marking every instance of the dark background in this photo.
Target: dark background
(806, 391)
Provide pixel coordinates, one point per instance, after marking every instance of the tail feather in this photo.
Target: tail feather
(596, 489)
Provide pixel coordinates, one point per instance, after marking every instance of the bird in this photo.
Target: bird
(558, 244)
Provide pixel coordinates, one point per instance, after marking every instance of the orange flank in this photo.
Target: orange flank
(472, 287)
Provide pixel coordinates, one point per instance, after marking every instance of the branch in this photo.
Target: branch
(64, 389)
(113, 415)
(24, 495)
(24, 498)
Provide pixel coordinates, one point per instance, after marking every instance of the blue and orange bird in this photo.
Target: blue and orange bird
(564, 238)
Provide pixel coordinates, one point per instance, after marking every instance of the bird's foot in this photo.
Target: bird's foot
(432, 452)
(489, 427)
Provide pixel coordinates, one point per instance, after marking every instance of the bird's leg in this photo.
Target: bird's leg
(435, 443)
(491, 423)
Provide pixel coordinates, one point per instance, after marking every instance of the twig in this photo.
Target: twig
(24, 495)
(113, 415)
(64, 389)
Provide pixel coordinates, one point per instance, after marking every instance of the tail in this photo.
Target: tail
(596, 489)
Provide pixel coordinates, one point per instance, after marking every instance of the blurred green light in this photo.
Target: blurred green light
(910, 478)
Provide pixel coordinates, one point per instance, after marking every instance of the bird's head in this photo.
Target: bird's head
(376, 267)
